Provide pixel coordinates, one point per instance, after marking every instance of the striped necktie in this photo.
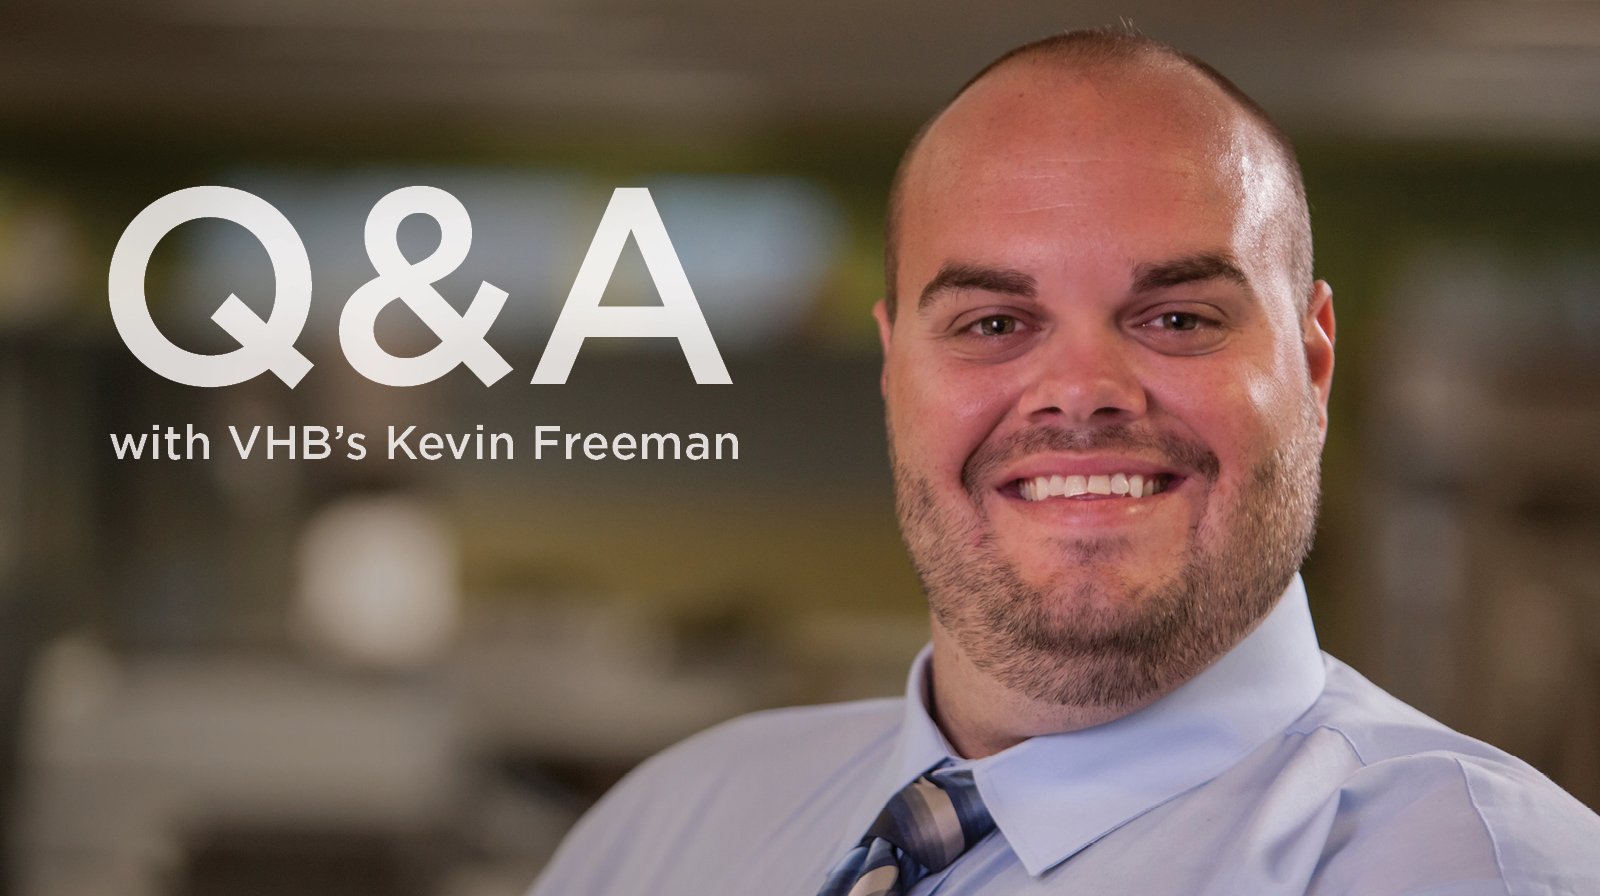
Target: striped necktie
(924, 828)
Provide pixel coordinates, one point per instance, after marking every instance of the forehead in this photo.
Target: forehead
(1038, 153)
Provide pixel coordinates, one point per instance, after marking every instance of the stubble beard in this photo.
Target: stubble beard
(1099, 640)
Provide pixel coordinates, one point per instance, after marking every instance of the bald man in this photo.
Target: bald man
(1106, 376)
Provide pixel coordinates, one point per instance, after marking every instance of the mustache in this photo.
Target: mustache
(1172, 450)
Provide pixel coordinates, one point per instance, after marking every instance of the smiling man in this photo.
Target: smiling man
(1106, 375)
(1112, 290)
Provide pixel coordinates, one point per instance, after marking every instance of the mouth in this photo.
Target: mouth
(1100, 486)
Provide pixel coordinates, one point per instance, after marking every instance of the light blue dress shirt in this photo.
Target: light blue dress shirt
(1277, 770)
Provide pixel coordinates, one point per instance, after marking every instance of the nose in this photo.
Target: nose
(1083, 378)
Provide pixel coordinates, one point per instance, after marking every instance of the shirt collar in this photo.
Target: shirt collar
(1055, 794)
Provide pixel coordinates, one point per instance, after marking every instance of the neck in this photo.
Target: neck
(979, 716)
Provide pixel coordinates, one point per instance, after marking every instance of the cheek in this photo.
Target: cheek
(1243, 394)
(1279, 393)
(1228, 407)
(939, 416)
(1266, 393)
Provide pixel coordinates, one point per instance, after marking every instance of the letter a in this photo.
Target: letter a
(631, 211)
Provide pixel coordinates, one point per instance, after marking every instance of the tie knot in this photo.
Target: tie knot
(935, 818)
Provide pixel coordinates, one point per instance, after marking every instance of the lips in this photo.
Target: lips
(1067, 465)
(1087, 477)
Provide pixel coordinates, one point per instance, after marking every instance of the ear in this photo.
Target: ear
(880, 313)
(1317, 332)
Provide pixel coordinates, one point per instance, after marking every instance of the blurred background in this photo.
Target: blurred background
(335, 677)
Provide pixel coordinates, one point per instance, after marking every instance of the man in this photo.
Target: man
(1106, 374)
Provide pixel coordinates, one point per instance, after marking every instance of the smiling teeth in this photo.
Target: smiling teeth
(1131, 485)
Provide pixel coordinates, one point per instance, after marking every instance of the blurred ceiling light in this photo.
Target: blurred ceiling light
(377, 583)
(1531, 24)
(758, 250)
(376, 16)
(1465, 92)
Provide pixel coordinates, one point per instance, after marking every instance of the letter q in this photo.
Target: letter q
(263, 344)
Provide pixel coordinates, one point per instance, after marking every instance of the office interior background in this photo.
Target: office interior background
(332, 677)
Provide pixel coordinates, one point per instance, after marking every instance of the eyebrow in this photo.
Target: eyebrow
(1147, 277)
(955, 276)
(1195, 268)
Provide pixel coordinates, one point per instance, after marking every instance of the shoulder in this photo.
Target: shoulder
(1379, 727)
(804, 741)
(717, 786)
(828, 728)
(1419, 805)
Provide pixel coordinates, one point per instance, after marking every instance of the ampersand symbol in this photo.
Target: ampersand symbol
(461, 336)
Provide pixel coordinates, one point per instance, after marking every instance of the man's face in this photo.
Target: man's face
(1106, 397)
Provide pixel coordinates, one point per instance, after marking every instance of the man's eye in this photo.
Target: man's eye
(1180, 321)
(996, 325)
(1184, 332)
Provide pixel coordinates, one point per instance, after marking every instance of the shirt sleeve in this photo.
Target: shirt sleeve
(1447, 825)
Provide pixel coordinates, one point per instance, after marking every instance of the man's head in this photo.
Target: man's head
(1100, 280)
(1107, 50)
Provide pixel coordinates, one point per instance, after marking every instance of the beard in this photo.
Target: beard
(1098, 639)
